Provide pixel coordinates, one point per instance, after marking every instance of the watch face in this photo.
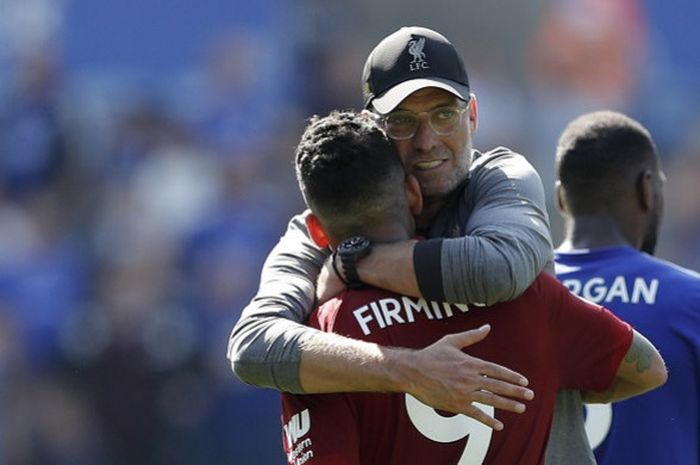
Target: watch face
(354, 244)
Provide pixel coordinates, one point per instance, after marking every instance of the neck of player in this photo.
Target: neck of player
(597, 232)
(390, 231)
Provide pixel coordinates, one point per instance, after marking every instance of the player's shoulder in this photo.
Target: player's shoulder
(544, 289)
(544, 284)
(503, 165)
(337, 314)
(673, 272)
(500, 157)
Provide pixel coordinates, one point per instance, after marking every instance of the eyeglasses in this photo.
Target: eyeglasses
(403, 124)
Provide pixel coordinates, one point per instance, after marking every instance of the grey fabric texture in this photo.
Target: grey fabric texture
(568, 443)
(497, 241)
(497, 231)
(264, 347)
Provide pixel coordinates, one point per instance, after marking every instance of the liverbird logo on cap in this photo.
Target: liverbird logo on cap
(415, 48)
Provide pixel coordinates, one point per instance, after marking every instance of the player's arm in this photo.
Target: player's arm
(270, 347)
(265, 344)
(507, 243)
(440, 375)
(641, 370)
(600, 354)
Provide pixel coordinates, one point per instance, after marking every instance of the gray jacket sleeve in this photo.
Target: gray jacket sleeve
(264, 347)
(502, 235)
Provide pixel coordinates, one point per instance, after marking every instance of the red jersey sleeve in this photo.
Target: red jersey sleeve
(590, 340)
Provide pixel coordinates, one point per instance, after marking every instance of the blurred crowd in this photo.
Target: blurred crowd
(137, 207)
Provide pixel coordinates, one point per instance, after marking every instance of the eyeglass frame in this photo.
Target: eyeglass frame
(461, 109)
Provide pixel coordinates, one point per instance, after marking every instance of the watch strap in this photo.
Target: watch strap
(350, 269)
(335, 268)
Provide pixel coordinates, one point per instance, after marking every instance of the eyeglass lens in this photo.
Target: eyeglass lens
(403, 124)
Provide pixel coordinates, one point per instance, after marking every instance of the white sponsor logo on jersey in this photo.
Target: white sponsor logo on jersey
(296, 428)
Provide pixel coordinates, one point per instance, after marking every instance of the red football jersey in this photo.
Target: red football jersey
(554, 338)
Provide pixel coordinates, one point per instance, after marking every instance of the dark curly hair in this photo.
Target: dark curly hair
(599, 155)
(349, 172)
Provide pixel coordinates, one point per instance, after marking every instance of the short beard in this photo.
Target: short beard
(455, 180)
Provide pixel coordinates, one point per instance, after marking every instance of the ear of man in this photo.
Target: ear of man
(318, 234)
(561, 198)
(473, 113)
(645, 191)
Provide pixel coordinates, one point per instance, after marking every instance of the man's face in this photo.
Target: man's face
(439, 163)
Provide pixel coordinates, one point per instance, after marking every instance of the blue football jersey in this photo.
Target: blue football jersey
(662, 301)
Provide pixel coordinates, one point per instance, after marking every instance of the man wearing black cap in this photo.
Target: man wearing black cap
(488, 238)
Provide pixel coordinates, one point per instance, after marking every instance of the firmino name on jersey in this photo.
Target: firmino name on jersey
(620, 289)
(397, 311)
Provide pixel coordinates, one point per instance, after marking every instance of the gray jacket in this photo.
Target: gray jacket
(489, 243)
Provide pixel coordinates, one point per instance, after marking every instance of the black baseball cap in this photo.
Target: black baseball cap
(410, 59)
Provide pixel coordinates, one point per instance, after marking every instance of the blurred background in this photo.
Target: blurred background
(146, 169)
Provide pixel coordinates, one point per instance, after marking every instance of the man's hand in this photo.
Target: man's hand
(444, 377)
(440, 375)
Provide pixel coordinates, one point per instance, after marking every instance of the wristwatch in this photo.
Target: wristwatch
(350, 251)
